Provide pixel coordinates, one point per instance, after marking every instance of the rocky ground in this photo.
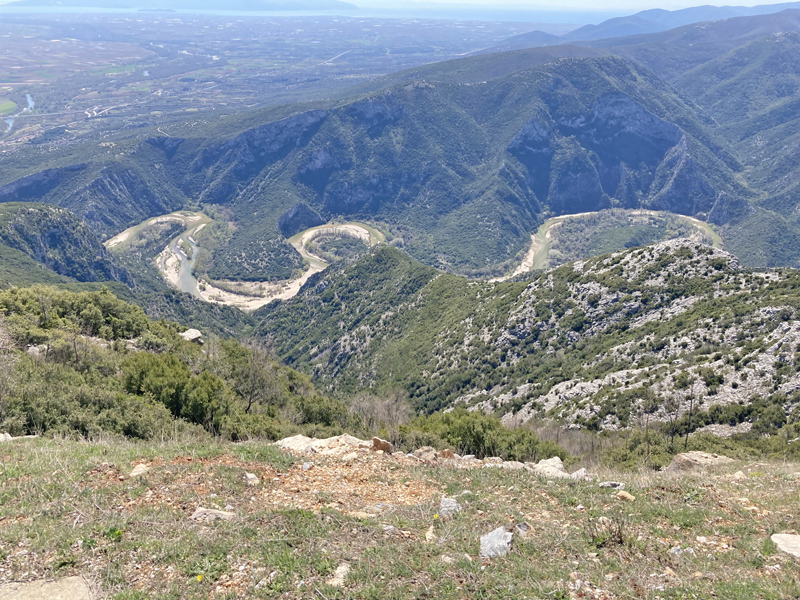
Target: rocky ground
(349, 518)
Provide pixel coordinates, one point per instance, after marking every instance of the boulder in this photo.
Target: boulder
(251, 479)
(448, 507)
(580, 475)
(382, 445)
(67, 588)
(496, 543)
(616, 485)
(5, 437)
(697, 460)
(138, 470)
(788, 543)
(334, 446)
(207, 515)
(426, 454)
(193, 335)
(551, 468)
(296, 443)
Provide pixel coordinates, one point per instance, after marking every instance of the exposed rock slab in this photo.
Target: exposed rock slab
(553, 468)
(788, 543)
(697, 460)
(497, 543)
(68, 588)
(207, 515)
(339, 445)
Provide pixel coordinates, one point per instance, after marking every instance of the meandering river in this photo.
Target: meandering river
(31, 106)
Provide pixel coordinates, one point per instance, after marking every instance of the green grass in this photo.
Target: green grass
(7, 107)
(68, 509)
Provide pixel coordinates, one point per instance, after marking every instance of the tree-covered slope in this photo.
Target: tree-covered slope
(677, 324)
(461, 172)
(58, 240)
(89, 364)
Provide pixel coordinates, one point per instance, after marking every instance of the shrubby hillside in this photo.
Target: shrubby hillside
(675, 332)
(59, 241)
(89, 364)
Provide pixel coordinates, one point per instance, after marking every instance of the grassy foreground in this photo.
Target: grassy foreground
(70, 508)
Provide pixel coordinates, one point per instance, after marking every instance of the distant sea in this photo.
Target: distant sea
(454, 14)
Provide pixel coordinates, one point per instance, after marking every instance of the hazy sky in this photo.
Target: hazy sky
(563, 5)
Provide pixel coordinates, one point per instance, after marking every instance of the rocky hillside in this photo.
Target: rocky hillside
(55, 238)
(653, 331)
(460, 169)
(250, 521)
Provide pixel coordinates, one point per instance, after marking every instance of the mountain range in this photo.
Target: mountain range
(459, 164)
(648, 21)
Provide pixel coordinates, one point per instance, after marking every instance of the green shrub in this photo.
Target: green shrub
(476, 433)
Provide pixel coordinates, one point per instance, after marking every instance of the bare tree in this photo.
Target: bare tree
(391, 409)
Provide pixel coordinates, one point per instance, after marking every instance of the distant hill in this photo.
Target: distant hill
(644, 22)
(243, 5)
(656, 20)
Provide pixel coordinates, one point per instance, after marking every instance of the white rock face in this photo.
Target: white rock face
(211, 514)
(68, 588)
(497, 543)
(787, 543)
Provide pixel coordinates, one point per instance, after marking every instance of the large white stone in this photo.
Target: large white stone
(68, 588)
(788, 543)
(497, 543)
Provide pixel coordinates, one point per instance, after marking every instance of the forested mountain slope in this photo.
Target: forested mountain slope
(661, 328)
(439, 163)
(57, 240)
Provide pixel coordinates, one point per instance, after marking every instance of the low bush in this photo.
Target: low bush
(476, 433)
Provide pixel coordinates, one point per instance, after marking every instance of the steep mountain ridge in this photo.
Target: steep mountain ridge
(436, 162)
(55, 238)
(588, 342)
